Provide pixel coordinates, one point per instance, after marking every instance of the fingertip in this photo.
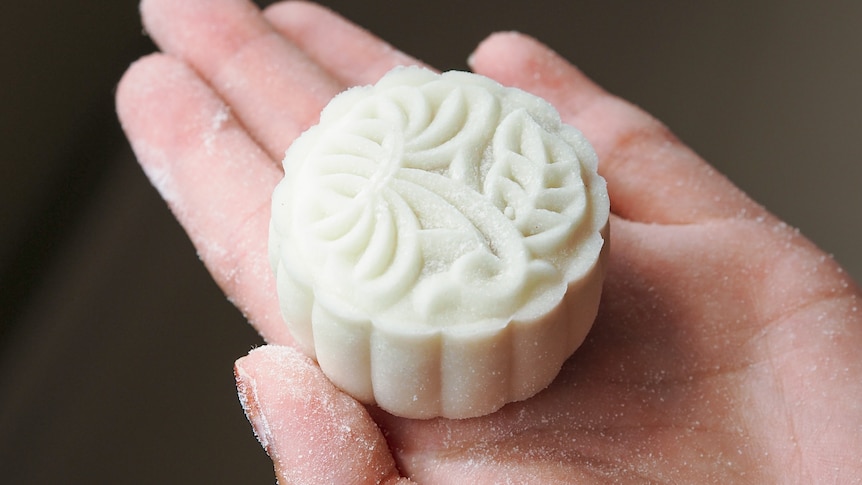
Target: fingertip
(297, 19)
(275, 368)
(144, 7)
(499, 45)
(139, 77)
(141, 87)
(313, 432)
(495, 43)
(206, 31)
(246, 387)
(138, 68)
(158, 101)
(515, 59)
(150, 12)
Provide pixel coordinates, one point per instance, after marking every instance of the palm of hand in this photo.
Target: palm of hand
(724, 348)
(688, 376)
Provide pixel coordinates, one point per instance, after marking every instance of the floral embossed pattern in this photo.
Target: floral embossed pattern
(430, 213)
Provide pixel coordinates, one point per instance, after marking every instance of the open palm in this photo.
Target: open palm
(725, 349)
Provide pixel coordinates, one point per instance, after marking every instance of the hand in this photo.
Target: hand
(725, 350)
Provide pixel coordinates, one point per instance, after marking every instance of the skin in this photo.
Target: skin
(726, 346)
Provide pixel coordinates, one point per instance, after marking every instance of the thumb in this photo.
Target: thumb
(313, 432)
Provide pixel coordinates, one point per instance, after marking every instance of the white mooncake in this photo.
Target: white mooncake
(438, 242)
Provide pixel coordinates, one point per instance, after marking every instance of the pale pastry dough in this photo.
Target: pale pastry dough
(438, 242)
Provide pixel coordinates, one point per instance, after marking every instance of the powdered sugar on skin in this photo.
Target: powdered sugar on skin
(247, 392)
(221, 117)
(157, 170)
(312, 432)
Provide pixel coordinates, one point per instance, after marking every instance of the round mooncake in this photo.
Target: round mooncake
(438, 242)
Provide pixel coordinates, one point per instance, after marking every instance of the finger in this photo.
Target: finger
(350, 53)
(652, 176)
(272, 86)
(215, 178)
(313, 432)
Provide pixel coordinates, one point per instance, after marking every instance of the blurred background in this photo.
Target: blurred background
(116, 349)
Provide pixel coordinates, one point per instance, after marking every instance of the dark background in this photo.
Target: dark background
(116, 349)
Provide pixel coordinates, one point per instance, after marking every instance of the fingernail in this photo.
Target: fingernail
(247, 391)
